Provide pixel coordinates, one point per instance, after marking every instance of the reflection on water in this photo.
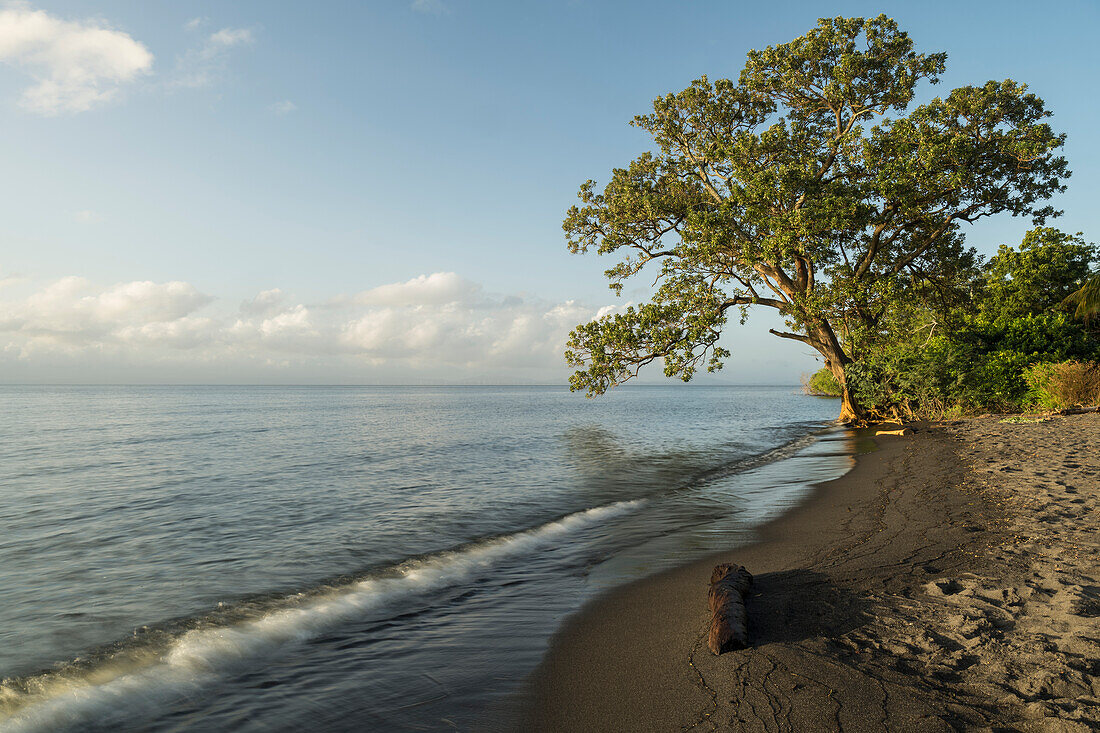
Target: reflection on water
(387, 558)
(607, 468)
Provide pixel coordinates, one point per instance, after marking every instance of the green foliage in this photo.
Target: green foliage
(1086, 299)
(822, 383)
(813, 186)
(1064, 385)
(976, 358)
(1038, 378)
(1046, 269)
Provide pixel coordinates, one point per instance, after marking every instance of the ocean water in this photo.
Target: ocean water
(353, 558)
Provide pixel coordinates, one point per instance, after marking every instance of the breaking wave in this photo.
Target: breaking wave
(140, 678)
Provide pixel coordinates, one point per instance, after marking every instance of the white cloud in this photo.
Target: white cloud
(75, 65)
(437, 288)
(284, 107)
(195, 23)
(229, 37)
(432, 328)
(206, 64)
(181, 333)
(266, 303)
(7, 281)
(440, 325)
(146, 301)
(72, 311)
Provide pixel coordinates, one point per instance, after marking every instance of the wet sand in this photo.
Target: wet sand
(949, 581)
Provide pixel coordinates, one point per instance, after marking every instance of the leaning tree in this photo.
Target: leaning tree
(810, 186)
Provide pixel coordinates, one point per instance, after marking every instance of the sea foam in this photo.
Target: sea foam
(140, 682)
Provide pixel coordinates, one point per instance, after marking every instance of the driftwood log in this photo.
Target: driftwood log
(1079, 410)
(728, 619)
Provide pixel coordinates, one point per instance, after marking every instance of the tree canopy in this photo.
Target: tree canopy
(1048, 268)
(812, 186)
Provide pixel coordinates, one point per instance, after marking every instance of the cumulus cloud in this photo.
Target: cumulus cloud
(6, 281)
(206, 64)
(436, 324)
(265, 303)
(75, 65)
(435, 289)
(72, 311)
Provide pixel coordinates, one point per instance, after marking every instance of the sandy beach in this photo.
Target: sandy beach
(950, 581)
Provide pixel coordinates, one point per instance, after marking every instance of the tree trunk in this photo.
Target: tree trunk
(836, 361)
(850, 409)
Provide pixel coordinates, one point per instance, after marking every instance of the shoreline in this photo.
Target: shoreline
(904, 595)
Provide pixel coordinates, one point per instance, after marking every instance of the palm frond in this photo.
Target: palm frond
(1087, 298)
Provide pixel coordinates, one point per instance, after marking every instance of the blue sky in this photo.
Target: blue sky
(234, 192)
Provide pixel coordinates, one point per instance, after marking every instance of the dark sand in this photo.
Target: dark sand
(950, 581)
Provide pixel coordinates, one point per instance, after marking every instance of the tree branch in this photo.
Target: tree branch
(792, 336)
(747, 300)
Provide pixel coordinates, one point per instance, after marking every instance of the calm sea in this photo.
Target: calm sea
(359, 558)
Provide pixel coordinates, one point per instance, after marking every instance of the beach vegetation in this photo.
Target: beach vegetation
(1064, 385)
(973, 356)
(814, 186)
(821, 383)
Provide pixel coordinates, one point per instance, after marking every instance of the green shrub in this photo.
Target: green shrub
(996, 380)
(821, 383)
(950, 353)
(1065, 385)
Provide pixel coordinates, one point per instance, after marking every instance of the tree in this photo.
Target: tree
(773, 192)
(1048, 268)
(1086, 299)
